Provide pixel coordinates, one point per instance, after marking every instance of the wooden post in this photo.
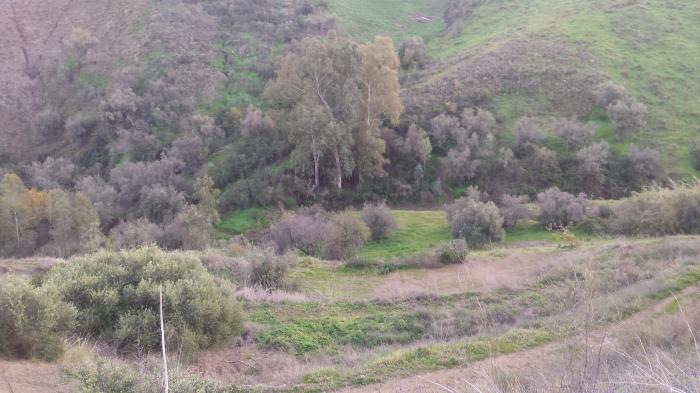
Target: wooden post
(162, 343)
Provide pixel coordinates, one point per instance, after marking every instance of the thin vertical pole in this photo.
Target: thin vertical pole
(162, 343)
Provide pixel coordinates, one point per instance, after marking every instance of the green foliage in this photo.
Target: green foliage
(270, 271)
(309, 335)
(245, 220)
(116, 295)
(33, 321)
(379, 220)
(453, 252)
(619, 38)
(475, 222)
(451, 355)
(660, 211)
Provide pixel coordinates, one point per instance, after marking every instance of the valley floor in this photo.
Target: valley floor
(521, 310)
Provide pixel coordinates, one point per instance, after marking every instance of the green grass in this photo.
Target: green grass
(407, 362)
(242, 221)
(649, 46)
(528, 232)
(364, 19)
(418, 232)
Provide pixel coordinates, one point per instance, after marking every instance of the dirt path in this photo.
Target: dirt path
(514, 269)
(526, 361)
(33, 377)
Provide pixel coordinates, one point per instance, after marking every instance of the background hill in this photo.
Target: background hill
(99, 96)
(648, 46)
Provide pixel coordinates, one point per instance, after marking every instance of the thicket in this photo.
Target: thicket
(116, 296)
(321, 234)
(660, 211)
(559, 209)
(34, 321)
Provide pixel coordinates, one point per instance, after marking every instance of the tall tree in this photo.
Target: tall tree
(322, 72)
(16, 215)
(379, 100)
(207, 195)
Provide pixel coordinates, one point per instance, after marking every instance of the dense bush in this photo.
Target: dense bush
(660, 211)
(453, 252)
(413, 53)
(345, 235)
(131, 234)
(561, 209)
(627, 117)
(379, 220)
(270, 271)
(33, 321)
(116, 295)
(475, 222)
(576, 134)
(324, 235)
(514, 209)
(609, 93)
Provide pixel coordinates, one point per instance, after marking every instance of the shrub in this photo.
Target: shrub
(560, 209)
(329, 236)
(627, 117)
(526, 131)
(514, 209)
(453, 252)
(475, 222)
(116, 294)
(609, 93)
(379, 220)
(270, 271)
(695, 158)
(301, 230)
(131, 234)
(345, 235)
(412, 53)
(660, 211)
(576, 134)
(33, 321)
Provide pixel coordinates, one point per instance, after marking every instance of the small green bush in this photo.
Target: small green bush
(33, 321)
(379, 220)
(475, 222)
(453, 252)
(270, 271)
(116, 295)
(695, 158)
(345, 235)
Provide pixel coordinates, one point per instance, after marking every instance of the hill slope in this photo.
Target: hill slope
(649, 46)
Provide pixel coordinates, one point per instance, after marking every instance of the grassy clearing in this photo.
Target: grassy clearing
(242, 221)
(418, 232)
(364, 19)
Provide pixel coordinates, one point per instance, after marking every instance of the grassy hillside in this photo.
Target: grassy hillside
(366, 18)
(649, 46)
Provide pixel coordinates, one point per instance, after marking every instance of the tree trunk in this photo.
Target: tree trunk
(338, 169)
(317, 158)
(19, 244)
